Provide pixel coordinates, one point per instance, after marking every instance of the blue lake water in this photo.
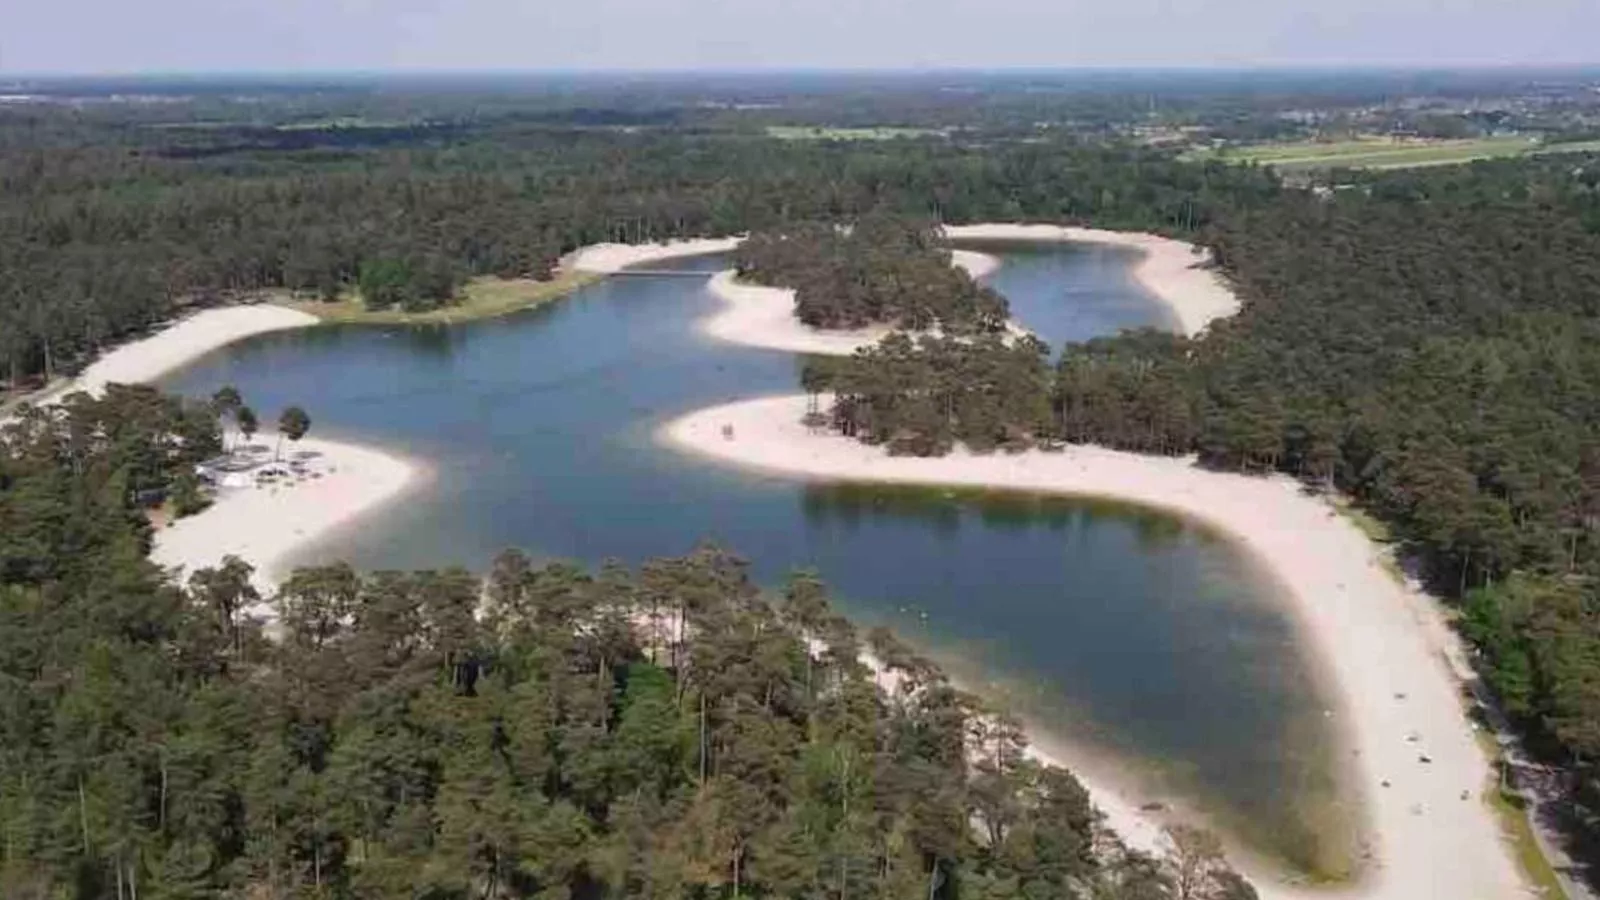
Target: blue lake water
(1126, 633)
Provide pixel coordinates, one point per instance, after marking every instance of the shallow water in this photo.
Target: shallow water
(1129, 633)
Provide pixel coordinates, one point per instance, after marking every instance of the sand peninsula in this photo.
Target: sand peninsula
(1396, 667)
(266, 524)
(262, 525)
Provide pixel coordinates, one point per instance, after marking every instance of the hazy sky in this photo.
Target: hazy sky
(43, 36)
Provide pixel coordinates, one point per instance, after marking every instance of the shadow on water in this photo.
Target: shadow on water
(1278, 789)
(1126, 631)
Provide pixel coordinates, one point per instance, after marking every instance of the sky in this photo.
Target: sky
(133, 36)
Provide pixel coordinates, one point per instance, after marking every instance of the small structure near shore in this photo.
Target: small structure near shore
(255, 465)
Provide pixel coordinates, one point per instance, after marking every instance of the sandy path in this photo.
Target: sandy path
(1396, 698)
(1176, 273)
(266, 525)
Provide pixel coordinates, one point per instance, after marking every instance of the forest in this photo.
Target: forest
(111, 226)
(1428, 343)
(882, 270)
(540, 731)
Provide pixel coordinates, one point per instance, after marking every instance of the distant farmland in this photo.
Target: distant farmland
(826, 133)
(1385, 153)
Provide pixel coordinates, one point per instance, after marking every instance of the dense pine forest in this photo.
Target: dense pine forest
(1428, 343)
(543, 731)
(1423, 342)
(110, 225)
(882, 270)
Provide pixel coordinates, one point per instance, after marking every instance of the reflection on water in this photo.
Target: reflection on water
(1126, 631)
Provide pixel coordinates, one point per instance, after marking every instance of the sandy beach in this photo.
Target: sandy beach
(1396, 699)
(1175, 272)
(265, 525)
(609, 259)
(761, 316)
(152, 357)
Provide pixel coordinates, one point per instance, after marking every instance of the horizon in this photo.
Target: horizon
(1002, 71)
(432, 36)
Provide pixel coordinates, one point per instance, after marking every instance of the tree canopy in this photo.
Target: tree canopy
(538, 731)
(880, 270)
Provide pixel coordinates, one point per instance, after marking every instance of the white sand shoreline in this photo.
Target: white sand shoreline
(267, 526)
(150, 358)
(1390, 678)
(609, 259)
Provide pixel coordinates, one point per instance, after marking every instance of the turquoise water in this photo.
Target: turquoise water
(1125, 632)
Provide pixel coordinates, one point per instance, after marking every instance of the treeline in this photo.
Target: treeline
(879, 270)
(1428, 343)
(110, 226)
(542, 731)
(919, 398)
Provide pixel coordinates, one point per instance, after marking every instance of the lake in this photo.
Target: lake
(1125, 634)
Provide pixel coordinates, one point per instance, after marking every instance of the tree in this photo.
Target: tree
(246, 420)
(187, 497)
(1195, 864)
(226, 403)
(293, 424)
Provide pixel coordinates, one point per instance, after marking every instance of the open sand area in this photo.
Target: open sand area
(609, 259)
(265, 523)
(152, 357)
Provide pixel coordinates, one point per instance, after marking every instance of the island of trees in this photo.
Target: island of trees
(880, 270)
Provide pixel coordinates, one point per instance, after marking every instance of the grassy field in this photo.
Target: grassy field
(1386, 153)
(482, 298)
(820, 133)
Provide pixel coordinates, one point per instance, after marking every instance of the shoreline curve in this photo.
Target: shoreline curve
(1337, 590)
(1177, 273)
